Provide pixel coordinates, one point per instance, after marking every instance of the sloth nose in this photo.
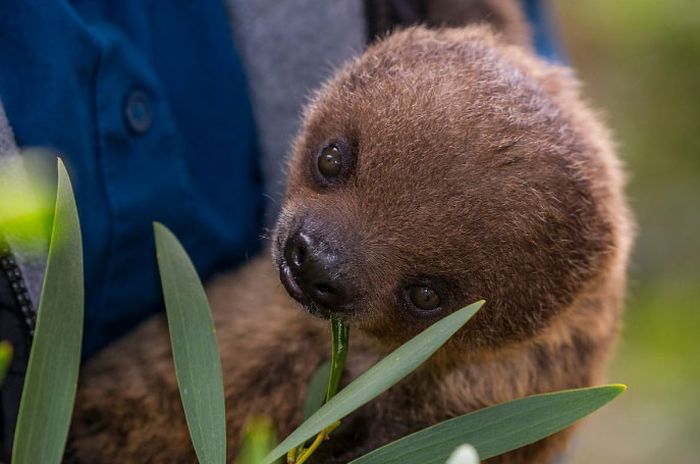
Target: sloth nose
(315, 269)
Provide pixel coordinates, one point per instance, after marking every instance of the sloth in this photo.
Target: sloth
(439, 168)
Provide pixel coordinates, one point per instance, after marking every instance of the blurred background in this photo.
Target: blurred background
(640, 62)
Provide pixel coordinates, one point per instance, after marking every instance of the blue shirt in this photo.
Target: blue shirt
(146, 102)
(544, 32)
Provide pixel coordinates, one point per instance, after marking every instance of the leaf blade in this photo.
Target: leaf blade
(54, 360)
(316, 391)
(195, 351)
(497, 429)
(378, 378)
(340, 333)
(258, 441)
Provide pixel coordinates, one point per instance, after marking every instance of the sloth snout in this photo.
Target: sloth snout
(313, 271)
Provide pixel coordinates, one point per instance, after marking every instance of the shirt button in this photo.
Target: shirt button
(138, 112)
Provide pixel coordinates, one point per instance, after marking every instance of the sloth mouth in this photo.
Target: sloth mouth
(295, 291)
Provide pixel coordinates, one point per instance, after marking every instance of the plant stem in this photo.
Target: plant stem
(340, 336)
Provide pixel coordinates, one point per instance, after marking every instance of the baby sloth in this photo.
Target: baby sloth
(440, 168)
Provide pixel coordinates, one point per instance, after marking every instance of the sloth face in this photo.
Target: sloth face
(435, 171)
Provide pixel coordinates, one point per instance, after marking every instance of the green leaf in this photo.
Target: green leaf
(316, 392)
(497, 429)
(378, 378)
(193, 339)
(340, 338)
(26, 206)
(464, 454)
(5, 358)
(259, 440)
(52, 374)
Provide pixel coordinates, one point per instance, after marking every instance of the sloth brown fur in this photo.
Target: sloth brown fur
(475, 165)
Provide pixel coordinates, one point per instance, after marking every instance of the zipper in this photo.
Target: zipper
(8, 263)
(21, 309)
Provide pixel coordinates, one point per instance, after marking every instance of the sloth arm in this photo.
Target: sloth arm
(128, 407)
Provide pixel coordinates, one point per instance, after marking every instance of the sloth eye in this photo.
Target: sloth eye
(423, 297)
(333, 163)
(330, 162)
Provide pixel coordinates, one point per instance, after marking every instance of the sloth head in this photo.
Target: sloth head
(441, 168)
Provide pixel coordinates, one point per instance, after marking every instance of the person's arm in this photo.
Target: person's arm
(527, 23)
(505, 16)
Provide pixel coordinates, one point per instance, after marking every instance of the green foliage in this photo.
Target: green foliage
(340, 337)
(26, 206)
(378, 378)
(498, 429)
(259, 440)
(5, 358)
(316, 392)
(195, 352)
(54, 361)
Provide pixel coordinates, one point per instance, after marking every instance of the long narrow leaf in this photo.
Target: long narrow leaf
(5, 358)
(193, 339)
(52, 373)
(316, 392)
(498, 429)
(340, 337)
(378, 378)
(259, 440)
